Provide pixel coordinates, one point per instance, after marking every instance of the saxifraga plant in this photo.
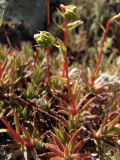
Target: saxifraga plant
(25, 143)
(100, 55)
(45, 39)
(70, 150)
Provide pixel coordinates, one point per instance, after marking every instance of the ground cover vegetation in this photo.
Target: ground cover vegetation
(56, 102)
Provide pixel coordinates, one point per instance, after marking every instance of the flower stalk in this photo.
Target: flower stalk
(100, 55)
(62, 8)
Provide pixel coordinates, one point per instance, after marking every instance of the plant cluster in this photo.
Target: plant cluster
(51, 110)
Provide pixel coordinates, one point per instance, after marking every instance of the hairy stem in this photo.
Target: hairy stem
(65, 67)
(62, 8)
(65, 40)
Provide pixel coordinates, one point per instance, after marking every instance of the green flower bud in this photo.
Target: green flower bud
(44, 39)
(71, 12)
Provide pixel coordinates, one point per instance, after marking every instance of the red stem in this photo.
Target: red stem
(65, 40)
(74, 110)
(101, 52)
(62, 8)
(65, 67)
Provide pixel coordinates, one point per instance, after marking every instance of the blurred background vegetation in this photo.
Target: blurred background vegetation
(22, 19)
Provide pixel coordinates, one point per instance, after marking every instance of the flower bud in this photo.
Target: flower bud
(70, 12)
(44, 39)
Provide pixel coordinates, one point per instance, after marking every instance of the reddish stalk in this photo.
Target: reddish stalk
(100, 55)
(65, 69)
(48, 29)
(74, 108)
(62, 8)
